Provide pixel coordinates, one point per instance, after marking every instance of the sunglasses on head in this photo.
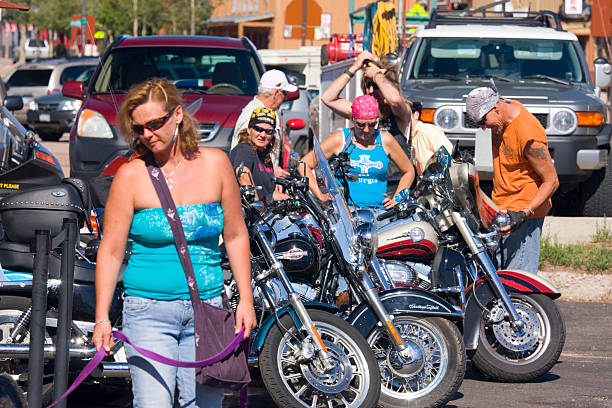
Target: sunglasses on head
(152, 125)
(369, 83)
(259, 129)
(362, 125)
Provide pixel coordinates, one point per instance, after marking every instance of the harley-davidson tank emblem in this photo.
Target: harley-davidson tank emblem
(292, 254)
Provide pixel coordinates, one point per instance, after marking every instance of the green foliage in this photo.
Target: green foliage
(602, 234)
(592, 258)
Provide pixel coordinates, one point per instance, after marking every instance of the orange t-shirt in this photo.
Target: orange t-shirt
(515, 182)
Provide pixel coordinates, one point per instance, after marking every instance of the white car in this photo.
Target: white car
(36, 49)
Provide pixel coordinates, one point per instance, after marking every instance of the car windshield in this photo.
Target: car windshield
(509, 59)
(30, 77)
(192, 69)
(73, 72)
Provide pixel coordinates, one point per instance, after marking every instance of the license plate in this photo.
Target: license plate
(44, 117)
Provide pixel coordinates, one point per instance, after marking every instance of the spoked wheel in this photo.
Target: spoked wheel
(11, 309)
(506, 355)
(352, 381)
(436, 367)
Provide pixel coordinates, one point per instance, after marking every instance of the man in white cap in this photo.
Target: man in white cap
(273, 86)
(524, 177)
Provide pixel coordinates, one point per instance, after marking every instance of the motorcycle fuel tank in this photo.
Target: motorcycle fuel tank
(407, 240)
(300, 258)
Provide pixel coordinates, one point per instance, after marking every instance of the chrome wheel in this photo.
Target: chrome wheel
(422, 374)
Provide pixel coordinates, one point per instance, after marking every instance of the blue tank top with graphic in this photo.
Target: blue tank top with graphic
(372, 164)
(154, 270)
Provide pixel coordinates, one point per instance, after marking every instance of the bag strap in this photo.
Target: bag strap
(165, 197)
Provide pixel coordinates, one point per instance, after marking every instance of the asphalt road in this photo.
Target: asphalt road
(581, 378)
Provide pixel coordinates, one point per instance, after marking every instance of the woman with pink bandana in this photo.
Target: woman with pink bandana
(370, 150)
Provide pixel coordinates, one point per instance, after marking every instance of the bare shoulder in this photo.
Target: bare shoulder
(130, 171)
(212, 158)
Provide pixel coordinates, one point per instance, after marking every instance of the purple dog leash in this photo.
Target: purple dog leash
(101, 353)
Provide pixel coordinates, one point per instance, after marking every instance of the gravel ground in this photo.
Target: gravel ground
(577, 286)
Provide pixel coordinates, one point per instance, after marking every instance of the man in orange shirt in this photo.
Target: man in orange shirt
(524, 177)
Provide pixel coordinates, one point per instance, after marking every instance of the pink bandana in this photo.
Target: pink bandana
(365, 107)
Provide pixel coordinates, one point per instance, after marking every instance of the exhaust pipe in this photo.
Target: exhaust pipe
(116, 370)
(23, 351)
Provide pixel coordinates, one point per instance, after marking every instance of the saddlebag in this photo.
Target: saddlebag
(42, 208)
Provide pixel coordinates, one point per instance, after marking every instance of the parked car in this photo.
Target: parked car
(36, 49)
(224, 72)
(35, 79)
(53, 115)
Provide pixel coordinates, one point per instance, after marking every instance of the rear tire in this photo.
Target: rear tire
(287, 381)
(11, 308)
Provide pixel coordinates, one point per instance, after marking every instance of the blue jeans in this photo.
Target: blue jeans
(521, 249)
(165, 327)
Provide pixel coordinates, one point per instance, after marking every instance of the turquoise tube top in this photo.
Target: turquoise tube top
(154, 270)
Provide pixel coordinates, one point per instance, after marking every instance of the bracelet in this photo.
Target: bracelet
(349, 73)
(101, 321)
(529, 209)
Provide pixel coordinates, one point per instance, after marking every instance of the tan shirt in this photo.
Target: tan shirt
(426, 140)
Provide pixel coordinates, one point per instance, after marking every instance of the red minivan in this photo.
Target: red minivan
(223, 72)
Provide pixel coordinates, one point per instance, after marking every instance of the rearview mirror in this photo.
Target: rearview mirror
(13, 103)
(73, 89)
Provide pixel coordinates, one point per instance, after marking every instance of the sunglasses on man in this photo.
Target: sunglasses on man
(259, 129)
(152, 125)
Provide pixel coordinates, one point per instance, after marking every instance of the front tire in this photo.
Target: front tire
(503, 356)
(429, 381)
(291, 384)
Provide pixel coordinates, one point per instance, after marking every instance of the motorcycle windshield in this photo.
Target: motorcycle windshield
(337, 211)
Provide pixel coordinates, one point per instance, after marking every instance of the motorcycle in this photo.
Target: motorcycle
(24, 163)
(442, 240)
(22, 213)
(418, 347)
(306, 354)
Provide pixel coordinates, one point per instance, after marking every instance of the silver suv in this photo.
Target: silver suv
(534, 61)
(35, 79)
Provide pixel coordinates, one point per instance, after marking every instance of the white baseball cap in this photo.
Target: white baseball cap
(275, 79)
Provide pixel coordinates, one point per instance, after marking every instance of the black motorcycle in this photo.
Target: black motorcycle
(325, 247)
(307, 356)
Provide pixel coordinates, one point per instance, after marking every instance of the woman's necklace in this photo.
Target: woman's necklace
(169, 177)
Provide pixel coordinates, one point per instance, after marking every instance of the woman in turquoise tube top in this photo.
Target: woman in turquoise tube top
(370, 150)
(157, 311)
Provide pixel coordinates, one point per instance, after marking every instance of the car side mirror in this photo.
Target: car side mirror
(603, 73)
(296, 123)
(73, 89)
(291, 96)
(13, 103)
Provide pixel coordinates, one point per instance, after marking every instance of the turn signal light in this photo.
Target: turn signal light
(427, 115)
(590, 119)
(45, 157)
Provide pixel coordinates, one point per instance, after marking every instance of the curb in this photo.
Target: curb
(572, 230)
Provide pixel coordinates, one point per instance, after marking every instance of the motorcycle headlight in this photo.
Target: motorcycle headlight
(33, 105)
(367, 238)
(93, 124)
(70, 105)
(446, 118)
(565, 121)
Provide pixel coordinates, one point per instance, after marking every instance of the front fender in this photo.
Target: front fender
(412, 301)
(263, 331)
(480, 293)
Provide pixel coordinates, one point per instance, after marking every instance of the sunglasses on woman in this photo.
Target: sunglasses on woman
(369, 83)
(152, 125)
(362, 125)
(259, 129)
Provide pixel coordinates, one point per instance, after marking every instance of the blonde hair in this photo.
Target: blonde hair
(243, 137)
(163, 91)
